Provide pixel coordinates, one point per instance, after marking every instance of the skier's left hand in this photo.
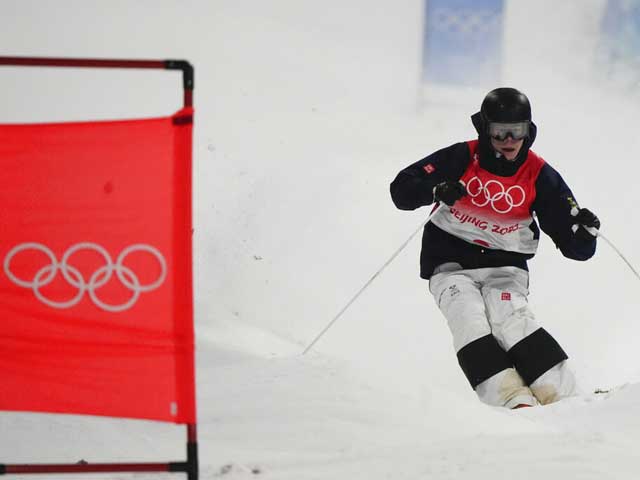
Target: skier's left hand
(589, 222)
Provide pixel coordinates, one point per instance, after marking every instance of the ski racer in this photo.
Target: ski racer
(482, 231)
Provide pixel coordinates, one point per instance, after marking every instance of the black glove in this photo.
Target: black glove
(586, 223)
(448, 192)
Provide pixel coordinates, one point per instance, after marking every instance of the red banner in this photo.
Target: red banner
(96, 312)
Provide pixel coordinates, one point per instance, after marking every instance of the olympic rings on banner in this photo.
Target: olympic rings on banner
(465, 21)
(97, 279)
(481, 195)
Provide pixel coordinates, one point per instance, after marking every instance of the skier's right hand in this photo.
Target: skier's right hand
(449, 192)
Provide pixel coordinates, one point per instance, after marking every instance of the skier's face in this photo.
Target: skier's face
(508, 148)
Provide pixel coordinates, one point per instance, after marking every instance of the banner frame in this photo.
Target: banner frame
(183, 65)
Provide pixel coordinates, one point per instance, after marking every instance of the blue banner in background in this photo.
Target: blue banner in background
(621, 30)
(463, 42)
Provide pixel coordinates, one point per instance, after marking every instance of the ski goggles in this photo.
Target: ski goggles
(500, 131)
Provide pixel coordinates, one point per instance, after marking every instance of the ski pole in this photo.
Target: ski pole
(619, 254)
(596, 233)
(365, 286)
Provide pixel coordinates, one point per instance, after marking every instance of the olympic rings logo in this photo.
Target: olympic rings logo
(501, 200)
(465, 21)
(98, 278)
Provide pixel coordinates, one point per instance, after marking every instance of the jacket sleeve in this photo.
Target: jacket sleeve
(553, 208)
(413, 186)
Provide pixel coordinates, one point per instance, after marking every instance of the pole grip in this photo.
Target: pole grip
(574, 228)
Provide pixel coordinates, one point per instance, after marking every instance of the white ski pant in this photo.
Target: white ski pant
(507, 357)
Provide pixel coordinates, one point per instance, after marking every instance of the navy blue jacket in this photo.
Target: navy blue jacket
(413, 187)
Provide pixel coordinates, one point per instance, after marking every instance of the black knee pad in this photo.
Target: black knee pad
(536, 354)
(482, 359)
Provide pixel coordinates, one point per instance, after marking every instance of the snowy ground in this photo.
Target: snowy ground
(314, 417)
(279, 415)
(305, 112)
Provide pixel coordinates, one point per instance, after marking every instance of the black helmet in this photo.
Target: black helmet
(505, 105)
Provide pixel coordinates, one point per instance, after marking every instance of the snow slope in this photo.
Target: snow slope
(305, 113)
(315, 417)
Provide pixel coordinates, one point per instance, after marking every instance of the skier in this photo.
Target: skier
(475, 247)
